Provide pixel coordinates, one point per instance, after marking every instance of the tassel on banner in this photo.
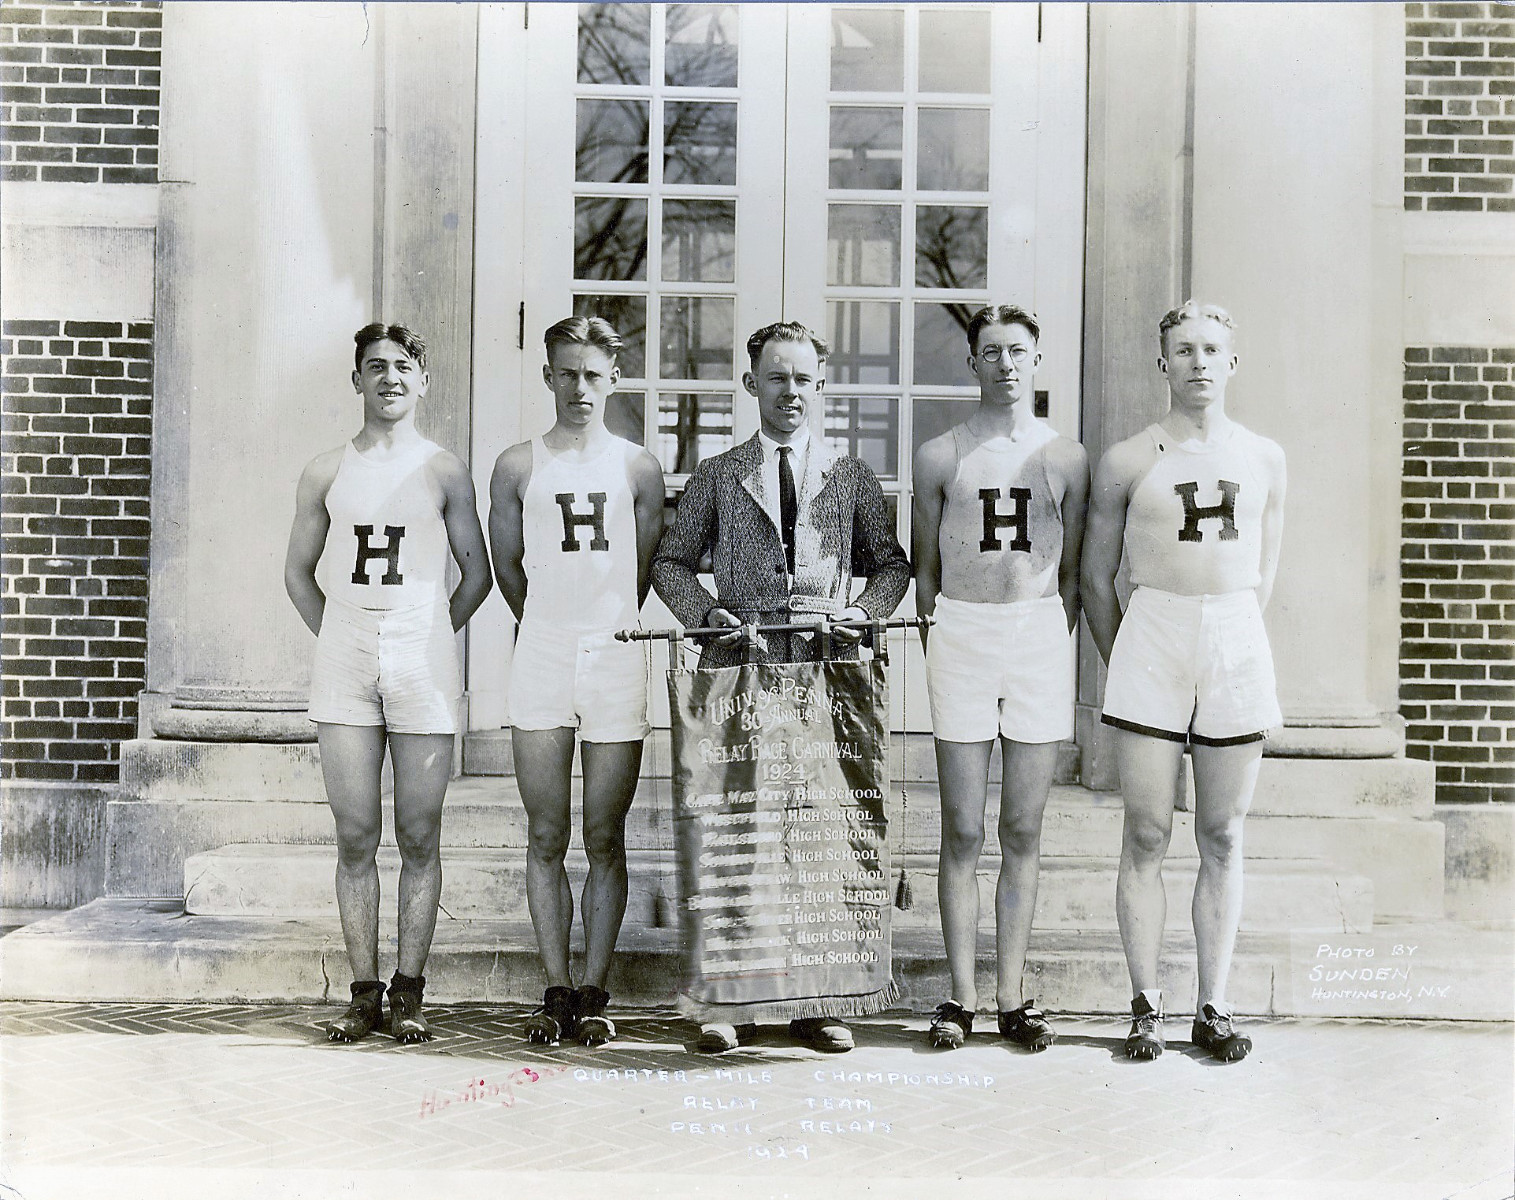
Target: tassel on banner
(904, 898)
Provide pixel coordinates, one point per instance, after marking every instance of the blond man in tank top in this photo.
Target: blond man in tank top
(1195, 502)
(998, 522)
(575, 516)
(378, 524)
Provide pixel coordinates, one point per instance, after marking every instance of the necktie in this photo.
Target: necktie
(789, 506)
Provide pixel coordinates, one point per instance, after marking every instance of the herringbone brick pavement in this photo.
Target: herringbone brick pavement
(1412, 1108)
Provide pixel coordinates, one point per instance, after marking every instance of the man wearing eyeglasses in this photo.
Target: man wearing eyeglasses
(998, 526)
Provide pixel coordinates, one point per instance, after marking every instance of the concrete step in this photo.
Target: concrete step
(1076, 892)
(489, 812)
(154, 769)
(141, 950)
(151, 840)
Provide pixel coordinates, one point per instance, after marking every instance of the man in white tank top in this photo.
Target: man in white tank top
(998, 522)
(376, 522)
(575, 516)
(1196, 504)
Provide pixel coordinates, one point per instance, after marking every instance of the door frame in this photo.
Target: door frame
(522, 275)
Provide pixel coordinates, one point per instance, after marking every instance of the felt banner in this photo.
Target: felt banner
(779, 782)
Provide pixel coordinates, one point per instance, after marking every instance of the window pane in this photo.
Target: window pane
(612, 145)
(609, 238)
(699, 142)
(866, 428)
(954, 51)
(954, 150)
(865, 341)
(867, 147)
(951, 247)
(699, 241)
(613, 43)
(628, 316)
(867, 50)
(701, 50)
(697, 333)
(863, 245)
(623, 416)
(941, 343)
(932, 418)
(691, 427)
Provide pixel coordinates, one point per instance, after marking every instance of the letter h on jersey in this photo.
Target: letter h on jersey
(1193, 514)
(390, 553)
(572, 519)
(1018, 518)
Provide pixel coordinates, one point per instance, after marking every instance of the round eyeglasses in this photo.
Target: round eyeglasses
(1016, 354)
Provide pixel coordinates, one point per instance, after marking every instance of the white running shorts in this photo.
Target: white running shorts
(1003, 670)
(393, 667)
(562, 678)
(1193, 668)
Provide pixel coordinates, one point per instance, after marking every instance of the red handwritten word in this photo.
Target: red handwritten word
(486, 1091)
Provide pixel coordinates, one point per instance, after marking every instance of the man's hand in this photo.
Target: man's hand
(720, 618)
(848, 636)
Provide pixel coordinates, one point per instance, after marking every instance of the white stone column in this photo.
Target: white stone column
(264, 270)
(1135, 257)
(1288, 237)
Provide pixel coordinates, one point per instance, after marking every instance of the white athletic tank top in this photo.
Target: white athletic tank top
(1194, 521)
(579, 528)
(387, 546)
(1002, 531)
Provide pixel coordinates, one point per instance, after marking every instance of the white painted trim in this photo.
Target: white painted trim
(500, 182)
(101, 205)
(1061, 187)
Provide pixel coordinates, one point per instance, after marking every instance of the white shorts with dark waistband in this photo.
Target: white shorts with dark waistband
(565, 678)
(1001, 670)
(1193, 668)
(397, 668)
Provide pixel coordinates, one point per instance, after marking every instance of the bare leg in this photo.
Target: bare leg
(1224, 778)
(610, 784)
(423, 765)
(351, 759)
(1148, 772)
(1027, 778)
(544, 769)
(962, 770)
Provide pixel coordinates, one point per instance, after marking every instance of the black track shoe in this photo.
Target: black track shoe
(1213, 1032)
(594, 1027)
(950, 1026)
(406, 1024)
(363, 1015)
(555, 1020)
(1027, 1026)
(1146, 1037)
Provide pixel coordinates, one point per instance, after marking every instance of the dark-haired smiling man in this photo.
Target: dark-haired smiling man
(378, 522)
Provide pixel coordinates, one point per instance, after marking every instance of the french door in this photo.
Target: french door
(691, 172)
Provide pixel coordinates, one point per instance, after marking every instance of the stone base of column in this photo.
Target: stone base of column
(194, 714)
(227, 725)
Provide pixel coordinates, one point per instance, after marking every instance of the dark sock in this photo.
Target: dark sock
(407, 983)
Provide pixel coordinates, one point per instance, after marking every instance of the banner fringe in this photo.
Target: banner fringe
(778, 1011)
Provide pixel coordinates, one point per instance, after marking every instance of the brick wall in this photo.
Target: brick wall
(79, 91)
(1460, 107)
(1457, 569)
(75, 434)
